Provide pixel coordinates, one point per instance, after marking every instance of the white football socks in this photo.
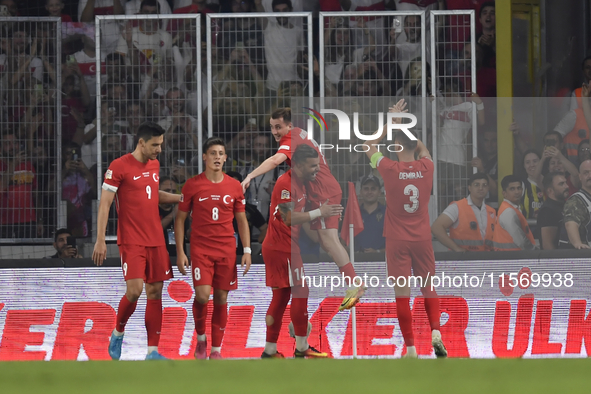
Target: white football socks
(152, 349)
(201, 338)
(270, 348)
(216, 349)
(117, 333)
(302, 343)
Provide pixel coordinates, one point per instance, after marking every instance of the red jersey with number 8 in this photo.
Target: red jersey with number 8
(408, 188)
(212, 207)
(325, 185)
(136, 186)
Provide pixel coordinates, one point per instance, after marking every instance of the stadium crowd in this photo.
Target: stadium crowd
(150, 70)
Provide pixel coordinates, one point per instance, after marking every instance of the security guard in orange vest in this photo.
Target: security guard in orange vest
(470, 221)
(511, 229)
(573, 126)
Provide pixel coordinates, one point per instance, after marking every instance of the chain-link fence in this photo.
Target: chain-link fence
(256, 63)
(152, 72)
(33, 177)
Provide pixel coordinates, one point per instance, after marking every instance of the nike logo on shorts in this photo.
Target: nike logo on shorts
(167, 272)
(232, 283)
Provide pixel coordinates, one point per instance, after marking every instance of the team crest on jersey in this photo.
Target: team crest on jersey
(285, 195)
(109, 174)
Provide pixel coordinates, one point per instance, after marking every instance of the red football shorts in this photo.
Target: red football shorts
(150, 263)
(401, 256)
(217, 272)
(324, 223)
(283, 269)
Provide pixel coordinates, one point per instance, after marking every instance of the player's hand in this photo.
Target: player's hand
(182, 262)
(245, 183)
(399, 107)
(246, 261)
(327, 210)
(99, 254)
(581, 246)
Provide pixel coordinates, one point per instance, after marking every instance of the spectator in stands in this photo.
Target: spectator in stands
(86, 60)
(338, 42)
(179, 171)
(554, 161)
(168, 215)
(584, 153)
(373, 213)
(470, 221)
(78, 190)
(254, 217)
(486, 75)
(239, 68)
(146, 44)
(407, 43)
(487, 39)
(486, 161)
(74, 103)
(533, 195)
(195, 7)
(133, 7)
(577, 93)
(577, 213)
(283, 40)
(259, 191)
(375, 23)
(110, 32)
(11, 7)
(178, 124)
(55, 8)
(456, 123)
(511, 229)
(17, 183)
(45, 201)
(63, 249)
(574, 126)
(368, 81)
(240, 150)
(304, 75)
(550, 219)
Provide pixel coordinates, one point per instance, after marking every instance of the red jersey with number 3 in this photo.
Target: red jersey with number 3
(212, 207)
(325, 186)
(408, 188)
(280, 236)
(136, 186)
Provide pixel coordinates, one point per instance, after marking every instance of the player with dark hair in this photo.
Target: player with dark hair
(284, 268)
(408, 183)
(323, 189)
(134, 179)
(214, 200)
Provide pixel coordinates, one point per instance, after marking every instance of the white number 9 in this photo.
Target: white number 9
(124, 269)
(149, 192)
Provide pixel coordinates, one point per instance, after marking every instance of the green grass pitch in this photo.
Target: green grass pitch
(299, 376)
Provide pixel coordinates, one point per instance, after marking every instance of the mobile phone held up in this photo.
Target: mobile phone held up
(71, 241)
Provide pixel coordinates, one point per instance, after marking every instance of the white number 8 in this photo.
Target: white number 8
(215, 214)
(197, 274)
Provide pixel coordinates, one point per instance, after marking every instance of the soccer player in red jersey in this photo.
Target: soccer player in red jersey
(408, 183)
(214, 200)
(324, 189)
(133, 179)
(284, 270)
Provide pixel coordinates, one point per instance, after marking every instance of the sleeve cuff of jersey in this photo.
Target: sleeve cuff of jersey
(110, 188)
(376, 158)
(284, 147)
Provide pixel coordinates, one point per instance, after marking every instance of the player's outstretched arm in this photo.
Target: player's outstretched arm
(439, 230)
(244, 233)
(99, 254)
(422, 151)
(266, 166)
(399, 107)
(168, 198)
(324, 211)
(182, 261)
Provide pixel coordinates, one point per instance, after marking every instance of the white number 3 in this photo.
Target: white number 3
(149, 192)
(413, 192)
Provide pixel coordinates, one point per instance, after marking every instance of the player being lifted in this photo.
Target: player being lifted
(134, 179)
(324, 188)
(214, 200)
(408, 241)
(284, 271)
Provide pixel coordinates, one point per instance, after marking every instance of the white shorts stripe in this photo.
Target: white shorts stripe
(289, 272)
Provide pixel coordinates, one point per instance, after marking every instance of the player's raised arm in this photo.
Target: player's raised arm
(266, 166)
(244, 233)
(99, 254)
(182, 261)
(422, 151)
(168, 198)
(399, 107)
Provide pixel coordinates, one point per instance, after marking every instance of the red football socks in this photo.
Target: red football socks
(276, 310)
(299, 316)
(153, 321)
(349, 273)
(200, 315)
(432, 307)
(405, 319)
(124, 312)
(219, 319)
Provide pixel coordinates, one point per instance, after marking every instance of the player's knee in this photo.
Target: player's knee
(154, 291)
(300, 291)
(201, 298)
(269, 320)
(133, 293)
(220, 297)
(428, 292)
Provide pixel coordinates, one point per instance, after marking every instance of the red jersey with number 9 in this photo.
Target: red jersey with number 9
(212, 207)
(325, 186)
(408, 188)
(136, 186)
